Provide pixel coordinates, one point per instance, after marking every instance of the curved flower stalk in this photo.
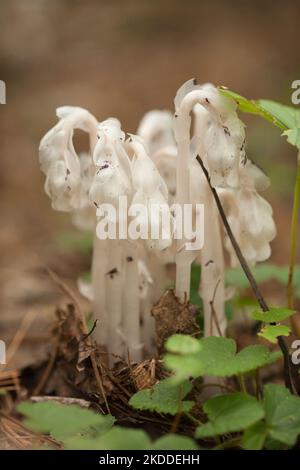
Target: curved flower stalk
(185, 100)
(219, 140)
(59, 160)
(112, 180)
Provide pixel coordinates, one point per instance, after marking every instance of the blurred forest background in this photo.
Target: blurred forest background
(121, 58)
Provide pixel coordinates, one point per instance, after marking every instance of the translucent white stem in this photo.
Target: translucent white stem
(148, 326)
(212, 270)
(115, 338)
(99, 267)
(131, 303)
(183, 259)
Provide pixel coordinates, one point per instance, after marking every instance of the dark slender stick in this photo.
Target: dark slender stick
(250, 277)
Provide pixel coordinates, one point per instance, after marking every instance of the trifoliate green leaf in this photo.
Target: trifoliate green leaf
(274, 315)
(164, 397)
(271, 332)
(63, 420)
(230, 413)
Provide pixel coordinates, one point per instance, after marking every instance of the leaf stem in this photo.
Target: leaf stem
(242, 383)
(250, 277)
(290, 286)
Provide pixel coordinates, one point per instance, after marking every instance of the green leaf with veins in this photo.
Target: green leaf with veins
(218, 357)
(230, 413)
(271, 332)
(274, 315)
(287, 118)
(164, 397)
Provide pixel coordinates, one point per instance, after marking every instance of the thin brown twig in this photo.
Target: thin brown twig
(254, 286)
(47, 372)
(20, 335)
(214, 315)
(32, 434)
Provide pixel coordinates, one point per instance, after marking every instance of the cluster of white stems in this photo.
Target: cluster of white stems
(158, 166)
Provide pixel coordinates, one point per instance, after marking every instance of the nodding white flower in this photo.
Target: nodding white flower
(113, 173)
(151, 190)
(156, 128)
(251, 176)
(165, 161)
(145, 279)
(84, 217)
(250, 215)
(220, 134)
(59, 160)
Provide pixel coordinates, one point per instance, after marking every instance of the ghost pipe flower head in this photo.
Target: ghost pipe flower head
(84, 217)
(165, 160)
(58, 158)
(151, 193)
(250, 215)
(113, 172)
(219, 132)
(156, 128)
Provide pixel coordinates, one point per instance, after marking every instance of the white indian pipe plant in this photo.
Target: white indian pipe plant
(158, 166)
